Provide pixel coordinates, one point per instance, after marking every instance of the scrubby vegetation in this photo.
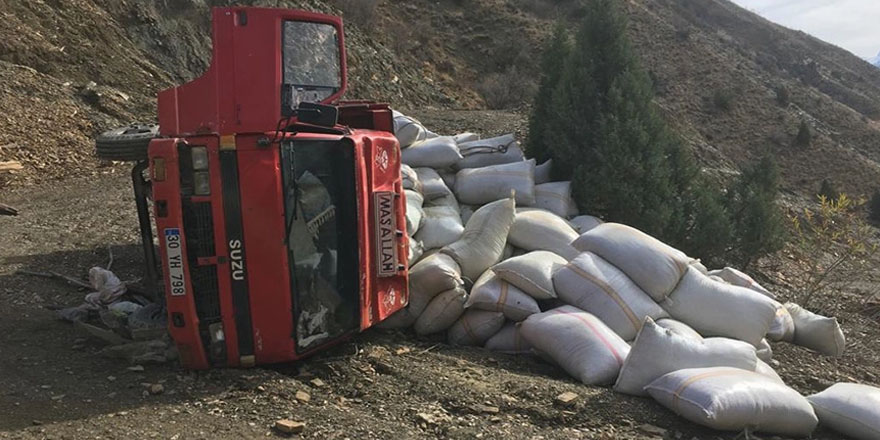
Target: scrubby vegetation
(594, 116)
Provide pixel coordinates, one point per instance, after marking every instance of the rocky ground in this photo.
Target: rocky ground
(54, 383)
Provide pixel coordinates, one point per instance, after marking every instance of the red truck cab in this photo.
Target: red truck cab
(280, 217)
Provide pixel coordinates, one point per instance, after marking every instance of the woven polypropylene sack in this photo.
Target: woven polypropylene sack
(577, 341)
(509, 340)
(782, 327)
(816, 332)
(482, 242)
(543, 172)
(466, 212)
(678, 327)
(718, 309)
(657, 351)
(475, 327)
(493, 294)
(584, 223)
(410, 178)
(555, 197)
(408, 130)
(466, 137)
(416, 250)
(432, 184)
(431, 276)
(590, 283)
(765, 369)
(655, 266)
(441, 312)
(731, 399)
(532, 272)
(448, 177)
(849, 408)
(441, 226)
(438, 152)
(539, 230)
(764, 351)
(414, 212)
(738, 278)
(493, 151)
(476, 186)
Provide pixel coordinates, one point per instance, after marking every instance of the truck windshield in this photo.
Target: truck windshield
(312, 70)
(321, 211)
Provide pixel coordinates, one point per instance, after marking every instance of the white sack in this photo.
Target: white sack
(718, 309)
(448, 177)
(448, 201)
(655, 266)
(492, 151)
(740, 279)
(432, 185)
(697, 264)
(538, 230)
(555, 197)
(532, 273)
(476, 186)
(578, 342)
(466, 212)
(493, 294)
(434, 274)
(466, 137)
(731, 399)
(408, 130)
(816, 332)
(475, 327)
(441, 312)
(764, 351)
(416, 250)
(584, 223)
(414, 213)
(439, 152)
(543, 172)
(782, 327)
(592, 284)
(678, 327)
(509, 340)
(849, 408)
(657, 351)
(410, 178)
(442, 226)
(765, 369)
(484, 237)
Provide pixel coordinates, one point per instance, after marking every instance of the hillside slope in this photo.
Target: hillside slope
(80, 66)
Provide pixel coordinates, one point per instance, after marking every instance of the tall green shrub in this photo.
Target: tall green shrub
(758, 224)
(552, 63)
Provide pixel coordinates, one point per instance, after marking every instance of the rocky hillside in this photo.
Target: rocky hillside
(736, 85)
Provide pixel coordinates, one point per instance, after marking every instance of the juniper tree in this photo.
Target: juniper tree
(552, 62)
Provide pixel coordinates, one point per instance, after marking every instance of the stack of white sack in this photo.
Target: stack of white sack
(501, 257)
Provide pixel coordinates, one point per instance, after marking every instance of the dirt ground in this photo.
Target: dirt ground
(54, 384)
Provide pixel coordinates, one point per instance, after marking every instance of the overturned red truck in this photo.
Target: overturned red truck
(279, 210)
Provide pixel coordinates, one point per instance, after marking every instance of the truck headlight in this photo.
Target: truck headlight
(199, 158)
(202, 183)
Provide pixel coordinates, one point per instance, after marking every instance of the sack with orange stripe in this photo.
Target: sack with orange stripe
(532, 272)
(509, 340)
(577, 341)
(655, 266)
(590, 283)
(657, 351)
(540, 230)
(491, 293)
(731, 399)
(556, 198)
(477, 186)
(475, 327)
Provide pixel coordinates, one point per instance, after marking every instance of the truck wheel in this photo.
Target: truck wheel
(127, 144)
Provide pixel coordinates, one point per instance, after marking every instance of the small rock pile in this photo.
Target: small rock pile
(501, 257)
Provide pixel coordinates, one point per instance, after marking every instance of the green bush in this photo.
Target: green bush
(804, 136)
(828, 190)
(758, 223)
(874, 207)
(552, 63)
(783, 97)
(723, 99)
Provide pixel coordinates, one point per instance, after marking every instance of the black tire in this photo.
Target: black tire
(127, 144)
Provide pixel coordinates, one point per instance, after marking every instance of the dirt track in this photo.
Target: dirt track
(379, 385)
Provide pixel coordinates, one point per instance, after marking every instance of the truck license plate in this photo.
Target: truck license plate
(386, 230)
(175, 262)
